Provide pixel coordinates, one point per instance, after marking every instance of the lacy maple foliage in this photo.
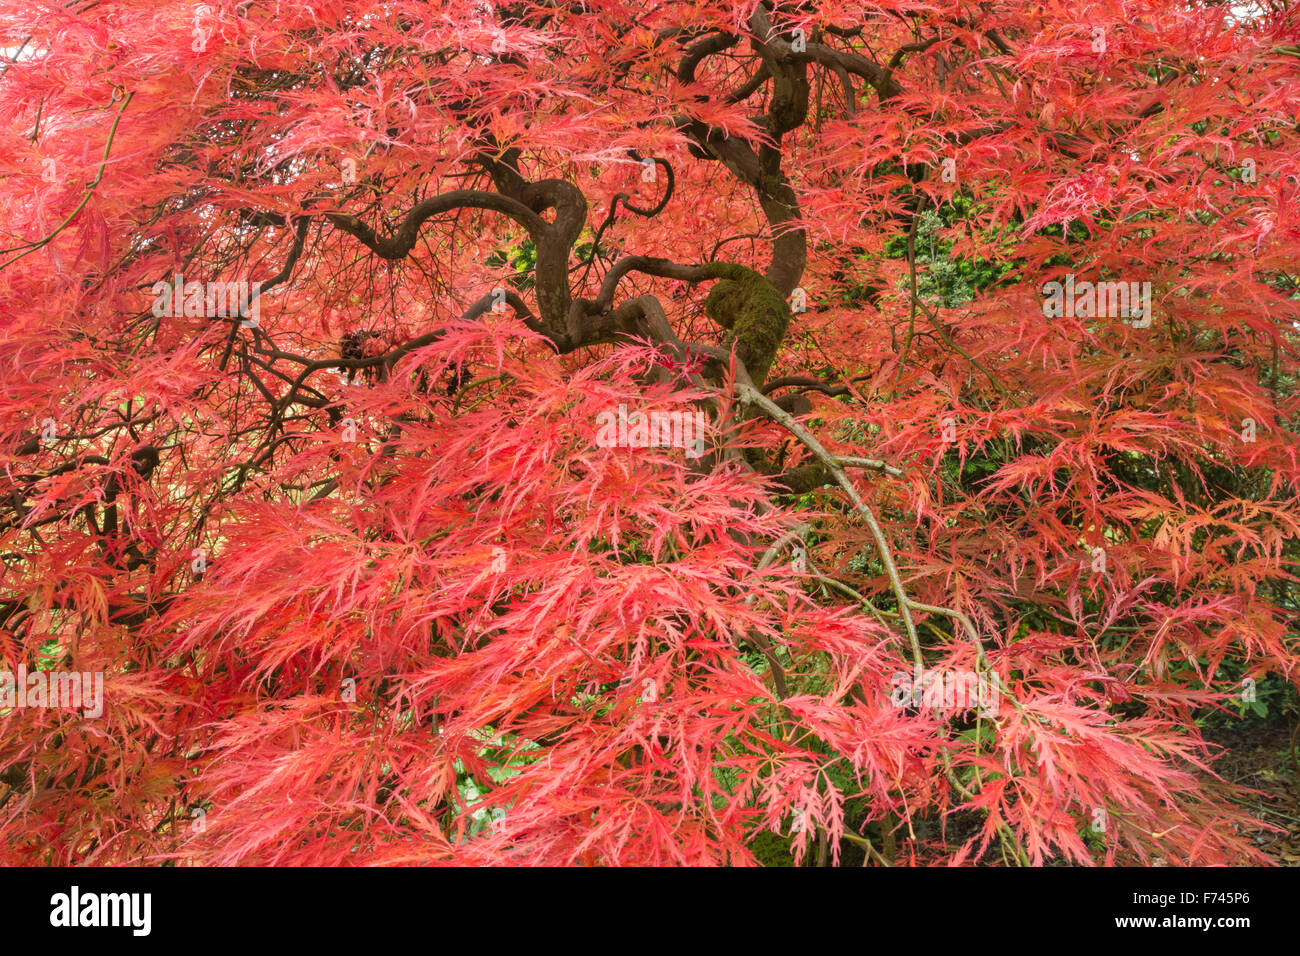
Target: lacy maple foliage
(316, 318)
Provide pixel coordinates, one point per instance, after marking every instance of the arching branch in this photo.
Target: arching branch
(399, 245)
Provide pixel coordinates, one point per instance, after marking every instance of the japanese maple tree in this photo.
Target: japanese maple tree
(981, 317)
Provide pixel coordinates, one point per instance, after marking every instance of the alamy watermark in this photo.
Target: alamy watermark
(956, 691)
(1126, 300)
(178, 298)
(677, 429)
(83, 691)
(75, 908)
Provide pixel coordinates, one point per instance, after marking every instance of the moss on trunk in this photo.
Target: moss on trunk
(757, 315)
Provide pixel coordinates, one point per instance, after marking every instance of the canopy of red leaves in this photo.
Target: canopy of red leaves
(365, 583)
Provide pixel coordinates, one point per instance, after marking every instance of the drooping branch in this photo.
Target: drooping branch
(750, 396)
